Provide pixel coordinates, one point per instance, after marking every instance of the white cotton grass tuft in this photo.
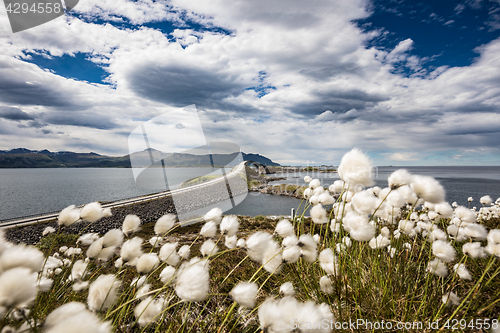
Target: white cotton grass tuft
(314, 183)
(167, 275)
(257, 243)
(474, 250)
(68, 216)
(156, 241)
(48, 230)
(462, 272)
(443, 250)
(18, 286)
(131, 249)
(307, 179)
(328, 261)
(214, 215)
(291, 254)
(241, 243)
(450, 298)
(209, 229)
(209, 248)
(326, 198)
(184, 252)
(91, 212)
(87, 239)
(149, 311)
(284, 228)
(356, 168)
(428, 189)
(79, 270)
(113, 237)
(131, 224)
(365, 202)
(230, 241)
(147, 262)
(318, 214)
(399, 178)
(22, 256)
(168, 254)
(465, 214)
(164, 224)
(379, 242)
(287, 289)
(74, 317)
(476, 232)
(103, 292)
(193, 281)
(326, 285)
(245, 294)
(437, 267)
(272, 258)
(229, 225)
(80, 286)
(486, 200)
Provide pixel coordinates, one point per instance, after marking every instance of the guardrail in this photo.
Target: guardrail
(122, 202)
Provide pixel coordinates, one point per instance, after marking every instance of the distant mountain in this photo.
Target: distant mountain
(25, 158)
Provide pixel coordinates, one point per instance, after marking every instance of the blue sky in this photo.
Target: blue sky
(408, 82)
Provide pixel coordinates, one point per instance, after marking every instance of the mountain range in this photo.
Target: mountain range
(26, 158)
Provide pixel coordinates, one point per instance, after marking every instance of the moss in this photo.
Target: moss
(56, 240)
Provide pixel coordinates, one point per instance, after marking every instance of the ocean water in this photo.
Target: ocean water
(34, 191)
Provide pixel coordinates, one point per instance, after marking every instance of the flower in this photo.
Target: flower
(328, 262)
(92, 212)
(474, 250)
(326, 285)
(209, 248)
(184, 252)
(68, 216)
(443, 250)
(272, 258)
(379, 242)
(167, 274)
(399, 178)
(17, 287)
(476, 231)
(70, 315)
(147, 262)
(131, 224)
(365, 202)
(230, 241)
(21, 256)
(356, 168)
(428, 188)
(284, 228)
(113, 237)
(103, 292)
(318, 214)
(450, 298)
(314, 184)
(164, 224)
(131, 249)
(48, 230)
(193, 281)
(286, 289)
(307, 179)
(214, 215)
(245, 293)
(291, 254)
(148, 311)
(169, 255)
(209, 230)
(462, 271)
(257, 243)
(486, 200)
(229, 225)
(437, 267)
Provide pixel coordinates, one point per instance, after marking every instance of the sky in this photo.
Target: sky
(301, 82)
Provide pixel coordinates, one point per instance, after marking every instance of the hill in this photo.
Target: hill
(25, 158)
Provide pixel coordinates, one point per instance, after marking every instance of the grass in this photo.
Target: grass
(370, 284)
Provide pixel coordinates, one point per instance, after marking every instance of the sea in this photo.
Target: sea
(26, 192)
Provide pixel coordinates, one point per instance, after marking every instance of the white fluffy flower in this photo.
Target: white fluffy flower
(365, 202)
(193, 281)
(437, 267)
(399, 178)
(103, 292)
(167, 275)
(356, 168)
(229, 225)
(257, 243)
(21, 256)
(291, 254)
(169, 254)
(272, 258)
(148, 311)
(131, 249)
(91, 212)
(314, 184)
(245, 293)
(113, 237)
(326, 285)
(428, 188)
(209, 248)
(337, 186)
(465, 214)
(284, 228)
(379, 242)
(462, 272)
(476, 231)
(17, 287)
(486, 200)
(325, 198)
(443, 250)
(164, 224)
(286, 289)
(73, 317)
(307, 179)
(79, 270)
(209, 229)
(474, 250)
(328, 262)
(147, 262)
(318, 214)
(230, 241)
(68, 216)
(450, 298)
(184, 252)
(131, 224)
(48, 230)
(214, 215)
